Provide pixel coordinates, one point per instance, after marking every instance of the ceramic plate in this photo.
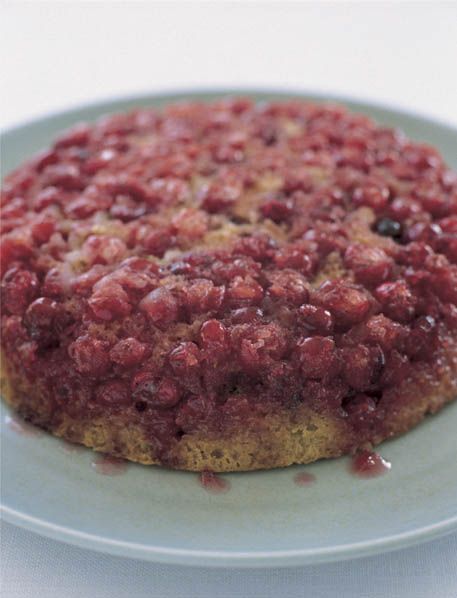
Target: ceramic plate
(265, 518)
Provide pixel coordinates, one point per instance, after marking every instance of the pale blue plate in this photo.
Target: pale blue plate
(265, 519)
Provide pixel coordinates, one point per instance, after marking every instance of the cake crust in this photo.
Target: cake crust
(230, 286)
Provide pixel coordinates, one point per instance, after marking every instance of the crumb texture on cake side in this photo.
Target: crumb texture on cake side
(229, 286)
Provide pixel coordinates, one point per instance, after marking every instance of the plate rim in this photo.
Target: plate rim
(221, 558)
(233, 559)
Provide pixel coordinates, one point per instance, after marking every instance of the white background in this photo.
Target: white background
(54, 55)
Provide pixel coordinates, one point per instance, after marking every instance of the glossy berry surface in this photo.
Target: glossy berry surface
(199, 267)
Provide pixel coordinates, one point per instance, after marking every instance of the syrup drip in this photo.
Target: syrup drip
(213, 483)
(304, 479)
(108, 465)
(368, 464)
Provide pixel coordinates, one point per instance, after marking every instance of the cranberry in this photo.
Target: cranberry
(445, 283)
(244, 291)
(400, 209)
(114, 393)
(297, 179)
(14, 209)
(191, 224)
(260, 247)
(14, 247)
(246, 315)
(84, 283)
(289, 286)
(260, 345)
(167, 191)
(397, 300)
(128, 352)
(110, 302)
(40, 316)
(213, 336)
(18, 288)
(421, 342)
(447, 244)
(348, 303)
(237, 408)
(228, 269)
(317, 356)
(294, 256)
(371, 195)
(277, 210)
(450, 315)
(126, 208)
(415, 254)
(396, 370)
(383, 331)
(76, 136)
(103, 250)
(316, 319)
(157, 241)
(371, 265)
(58, 281)
(47, 197)
(361, 409)
(423, 231)
(99, 161)
(162, 393)
(42, 229)
(449, 225)
(90, 355)
(45, 158)
(185, 359)
(64, 176)
(202, 296)
(217, 197)
(194, 411)
(160, 306)
(359, 365)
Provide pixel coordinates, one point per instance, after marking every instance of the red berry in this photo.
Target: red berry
(202, 295)
(213, 336)
(18, 288)
(317, 357)
(359, 366)
(194, 412)
(383, 331)
(244, 291)
(185, 359)
(397, 300)
(160, 306)
(372, 195)
(161, 393)
(90, 355)
(110, 302)
(371, 265)
(114, 393)
(128, 352)
(316, 319)
(260, 345)
(348, 303)
(289, 286)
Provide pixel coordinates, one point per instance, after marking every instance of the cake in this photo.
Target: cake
(231, 285)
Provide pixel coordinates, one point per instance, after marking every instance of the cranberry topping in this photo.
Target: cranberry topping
(200, 266)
